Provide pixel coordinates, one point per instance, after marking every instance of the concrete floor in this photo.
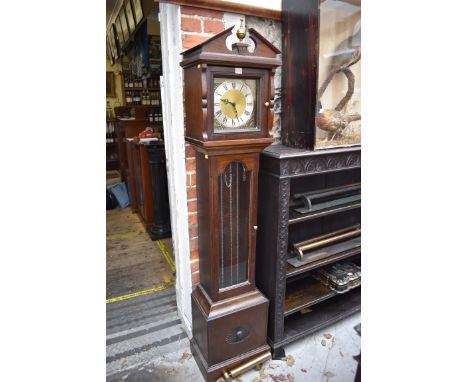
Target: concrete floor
(326, 356)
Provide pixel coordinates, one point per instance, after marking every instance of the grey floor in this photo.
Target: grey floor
(146, 342)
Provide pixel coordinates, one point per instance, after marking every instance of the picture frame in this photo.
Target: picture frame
(138, 11)
(130, 17)
(110, 85)
(109, 51)
(113, 42)
(120, 37)
(123, 22)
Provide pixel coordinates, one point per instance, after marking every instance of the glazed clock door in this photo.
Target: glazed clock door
(238, 106)
(237, 217)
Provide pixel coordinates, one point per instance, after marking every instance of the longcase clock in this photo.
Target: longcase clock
(229, 113)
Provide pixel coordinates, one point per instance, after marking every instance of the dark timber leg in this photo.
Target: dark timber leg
(279, 353)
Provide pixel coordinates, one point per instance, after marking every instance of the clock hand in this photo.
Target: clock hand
(230, 103)
(234, 106)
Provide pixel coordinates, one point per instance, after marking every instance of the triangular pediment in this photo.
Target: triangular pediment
(217, 45)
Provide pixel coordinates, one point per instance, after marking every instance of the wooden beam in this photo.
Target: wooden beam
(228, 6)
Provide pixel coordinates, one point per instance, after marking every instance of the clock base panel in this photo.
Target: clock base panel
(214, 372)
(228, 332)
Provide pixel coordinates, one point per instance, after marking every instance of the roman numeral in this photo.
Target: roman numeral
(218, 113)
(233, 85)
(219, 94)
(247, 112)
(233, 123)
(249, 103)
(217, 104)
(225, 86)
(224, 120)
(242, 86)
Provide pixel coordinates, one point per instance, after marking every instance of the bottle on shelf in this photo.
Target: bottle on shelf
(128, 98)
(130, 82)
(109, 112)
(126, 82)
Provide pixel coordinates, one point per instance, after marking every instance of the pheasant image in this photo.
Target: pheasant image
(348, 53)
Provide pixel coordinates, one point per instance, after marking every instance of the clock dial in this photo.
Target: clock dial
(235, 104)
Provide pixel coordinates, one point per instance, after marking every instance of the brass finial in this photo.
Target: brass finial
(241, 31)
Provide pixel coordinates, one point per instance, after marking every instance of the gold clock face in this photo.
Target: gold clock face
(235, 104)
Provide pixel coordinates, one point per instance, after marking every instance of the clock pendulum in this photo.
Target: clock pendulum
(229, 114)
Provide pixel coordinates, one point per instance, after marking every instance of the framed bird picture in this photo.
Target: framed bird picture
(123, 22)
(338, 114)
(113, 42)
(110, 85)
(130, 16)
(110, 55)
(119, 33)
(138, 11)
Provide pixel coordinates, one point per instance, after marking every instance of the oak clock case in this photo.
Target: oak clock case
(229, 113)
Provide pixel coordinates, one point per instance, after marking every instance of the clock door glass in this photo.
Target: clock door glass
(235, 104)
(234, 206)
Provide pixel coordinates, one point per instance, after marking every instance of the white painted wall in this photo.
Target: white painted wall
(173, 115)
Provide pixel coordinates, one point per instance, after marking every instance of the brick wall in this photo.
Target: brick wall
(198, 25)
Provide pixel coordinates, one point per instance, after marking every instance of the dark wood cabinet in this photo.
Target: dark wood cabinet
(284, 172)
(161, 227)
(309, 185)
(126, 129)
(147, 186)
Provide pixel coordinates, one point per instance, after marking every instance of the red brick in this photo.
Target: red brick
(194, 254)
(195, 278)
(202, 12)
(193, 246)
(193, 232)
(192, 218)
(189, 40)
(215, 27)
(191, 25)
(194, 266)
(190, 165)
(189, 151)
(191, 192)
(193, 179)
(192, 205)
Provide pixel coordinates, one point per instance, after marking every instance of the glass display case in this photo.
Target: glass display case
(338, 104)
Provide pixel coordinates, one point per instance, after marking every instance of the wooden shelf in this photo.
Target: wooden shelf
(293, 271)
(130, 106)
(304, 293)
(296, 217)
(326, 313)
(150, 89)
